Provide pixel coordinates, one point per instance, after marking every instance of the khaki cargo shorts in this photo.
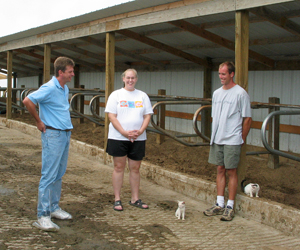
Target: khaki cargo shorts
(225, 155)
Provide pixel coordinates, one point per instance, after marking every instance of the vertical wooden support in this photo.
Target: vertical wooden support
(161, 118)
(81, 105)
(241, 71)
(21, 103)
(206, 114)
(14, 80)
(47, 62)
(9, 83)
(96, 107)
(41, 80)
(76, 77)
(76, 83)
(273, 135)
(109, 80)
(14, 91)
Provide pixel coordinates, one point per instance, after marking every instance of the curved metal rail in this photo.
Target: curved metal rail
(195, 124)
(13, 105)
(25, 93)
(91, 106)
(80, 114)
(263, 134)
(169, 134)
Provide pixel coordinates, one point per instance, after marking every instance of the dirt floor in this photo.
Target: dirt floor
(87, 194)
(281, 185)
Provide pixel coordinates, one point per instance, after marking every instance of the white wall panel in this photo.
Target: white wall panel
(29, 82)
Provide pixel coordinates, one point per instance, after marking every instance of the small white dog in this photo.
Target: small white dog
(180, 212)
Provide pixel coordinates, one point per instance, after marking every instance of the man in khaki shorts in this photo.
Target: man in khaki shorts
(231, 121)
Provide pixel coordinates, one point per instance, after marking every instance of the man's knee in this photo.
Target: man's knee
(232, 172)
(221, 170)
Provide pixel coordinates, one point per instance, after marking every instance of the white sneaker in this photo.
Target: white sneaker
(61, 214)
(45, 223)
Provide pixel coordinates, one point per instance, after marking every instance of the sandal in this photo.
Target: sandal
(138, 204)
(116, 204)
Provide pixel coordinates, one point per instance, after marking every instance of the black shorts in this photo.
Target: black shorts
(133, 150)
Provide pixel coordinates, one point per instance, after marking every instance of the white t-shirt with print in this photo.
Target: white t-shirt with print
(229, 107)
(130, 107)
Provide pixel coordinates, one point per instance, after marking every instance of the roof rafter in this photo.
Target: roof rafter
(80, 51)
(35, 63)
(26, 52)
(277, 19)
(125, 52)
(220, 40)
(17, 67)
(77, 60)
(164, 47)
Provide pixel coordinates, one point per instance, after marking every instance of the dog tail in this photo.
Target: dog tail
(242, 185)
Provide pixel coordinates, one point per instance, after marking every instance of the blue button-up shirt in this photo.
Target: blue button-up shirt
(54, 104)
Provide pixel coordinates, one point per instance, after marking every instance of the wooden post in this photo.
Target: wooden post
(81, 105)
(109, 80)
(241, 71)
(161, 118)
(76, 83)
(41, 80)
(96, 107)
(9, 83)
(273, 135)
(21, 103)
(206, 114)
(47, 62)
(14, 91)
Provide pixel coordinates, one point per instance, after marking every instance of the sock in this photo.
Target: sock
(230, 203)
(220, 200)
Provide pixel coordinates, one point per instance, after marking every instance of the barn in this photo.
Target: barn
(176, 47)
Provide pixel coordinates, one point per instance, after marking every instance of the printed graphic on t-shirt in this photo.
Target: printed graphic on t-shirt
(131, 104)
(123, 104)
(138, 104)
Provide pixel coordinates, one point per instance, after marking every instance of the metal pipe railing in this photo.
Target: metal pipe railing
(169, 134)
(263, 134)
(80, 114)
(195, 124)
(91, 106)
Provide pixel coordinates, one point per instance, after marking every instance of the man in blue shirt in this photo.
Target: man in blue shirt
(54, 121)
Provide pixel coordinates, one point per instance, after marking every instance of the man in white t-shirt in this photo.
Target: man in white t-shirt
(231, 122)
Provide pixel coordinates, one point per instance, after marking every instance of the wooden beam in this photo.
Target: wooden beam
(87, 53)
(27, 61)
(241, 71)
(242, 48)
(9, 84)
(207, 93)
(277, 19)
(109, 80)
(164, 47)
(28, 53)
(17, 66)
(47, 62)
(219, 40)
(78, 61)
(131, 54)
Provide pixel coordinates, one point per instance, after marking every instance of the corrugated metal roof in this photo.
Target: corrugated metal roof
(274, 32)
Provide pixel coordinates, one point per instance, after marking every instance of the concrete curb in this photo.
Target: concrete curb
(276, 215)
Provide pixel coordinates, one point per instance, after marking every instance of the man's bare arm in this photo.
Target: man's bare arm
(32, 110)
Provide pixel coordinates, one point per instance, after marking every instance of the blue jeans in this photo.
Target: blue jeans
(55, 151)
